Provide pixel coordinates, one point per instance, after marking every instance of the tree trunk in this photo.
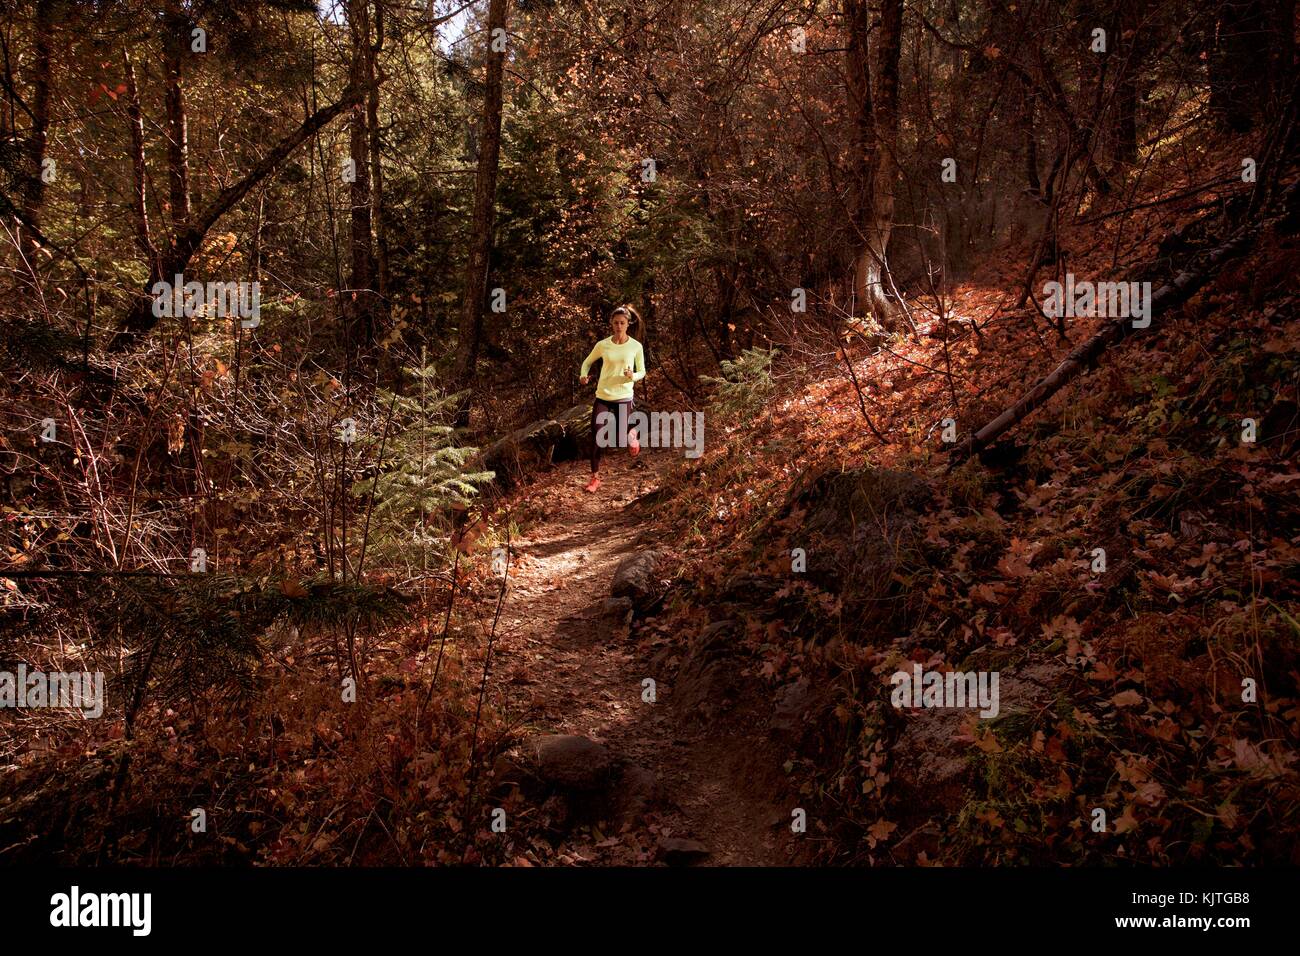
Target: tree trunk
(1126, 137)
(1053, 93)
(178, 169)
(359, 300)
(139, 171)
(875, 140)
(485, 182)
(1025, 118)
(382, 275)
(1129, 45)
(1238, 60)
(1282, 49)
(728, 291)
(33, 193)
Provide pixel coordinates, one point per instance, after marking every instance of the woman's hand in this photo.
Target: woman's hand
(582, 380)
(627, 372)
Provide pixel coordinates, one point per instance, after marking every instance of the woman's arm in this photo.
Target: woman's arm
(639, 372)
(595, 354)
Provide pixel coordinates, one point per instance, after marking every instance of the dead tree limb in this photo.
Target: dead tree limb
(1173, 293)
(140, 319)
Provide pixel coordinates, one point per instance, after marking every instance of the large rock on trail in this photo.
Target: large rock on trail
(634, 579)
(571, 762)
(571, 778)
(679, 851)
(635, 792)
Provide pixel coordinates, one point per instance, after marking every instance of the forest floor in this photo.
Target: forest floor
(567, 669)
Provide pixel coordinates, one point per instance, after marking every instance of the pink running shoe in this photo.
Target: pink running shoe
(633, 445)
(593, 484)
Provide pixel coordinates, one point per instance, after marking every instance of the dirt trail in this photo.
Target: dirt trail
(563, 672)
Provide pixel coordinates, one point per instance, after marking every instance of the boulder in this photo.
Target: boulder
(932, 771)
(508, 773)
(678, 851)
(619, 608)
(615, 617)
(792, 700)
(571, 762)
(634, 578)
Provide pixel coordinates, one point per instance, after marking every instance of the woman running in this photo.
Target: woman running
(622, 363)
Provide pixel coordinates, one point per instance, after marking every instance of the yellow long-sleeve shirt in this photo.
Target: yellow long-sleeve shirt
(613, 385)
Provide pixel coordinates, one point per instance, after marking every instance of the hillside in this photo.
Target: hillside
(963, 524)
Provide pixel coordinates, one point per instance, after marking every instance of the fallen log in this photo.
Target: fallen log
(1173, 293)
(537, 444)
